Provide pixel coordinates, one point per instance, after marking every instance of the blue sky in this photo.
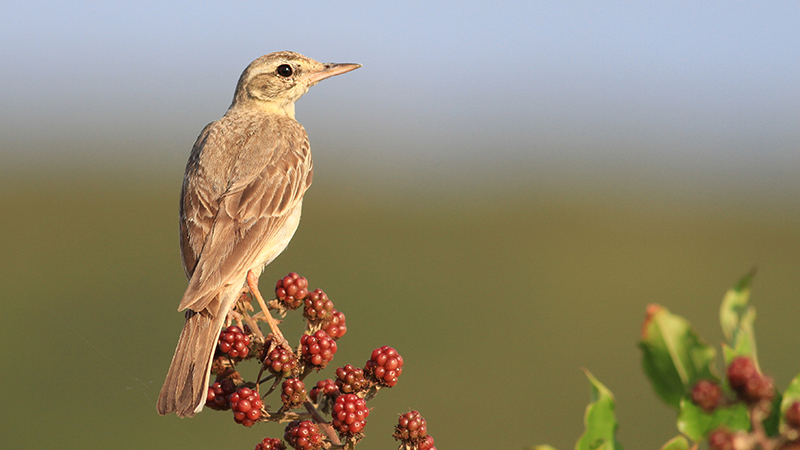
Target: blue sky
(584, 85)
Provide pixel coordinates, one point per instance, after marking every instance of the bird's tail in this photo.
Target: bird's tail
(184, 391)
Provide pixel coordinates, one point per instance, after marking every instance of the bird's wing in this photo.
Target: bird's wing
(248, 216)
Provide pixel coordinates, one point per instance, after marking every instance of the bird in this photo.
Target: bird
(240, 205)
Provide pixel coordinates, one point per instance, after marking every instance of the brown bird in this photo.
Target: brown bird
(240, 206)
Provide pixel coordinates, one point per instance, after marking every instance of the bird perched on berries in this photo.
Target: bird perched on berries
(240, 206)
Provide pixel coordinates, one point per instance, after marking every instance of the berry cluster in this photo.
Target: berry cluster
(318, 308)
(293, 393)
(303, 435)
(335, 327)
(748, 384)
(323, 388)
(270, 444)
(350, 380)
(234, 342)
(246, 405)
(412, 431)
(706, 394)
(350, 414)
(219, 394)
(281, 362)
(792, 416)
(291, 290)
(384, 366)
(317, 349)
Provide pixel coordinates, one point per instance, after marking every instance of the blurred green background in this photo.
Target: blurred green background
(499, 193)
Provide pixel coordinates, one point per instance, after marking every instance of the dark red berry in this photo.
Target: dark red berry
(219, 394)
(350, 380)
(411, 427)
(303, 435)
(792, 415)
(323, 388)
(335, 326)
(246, 406)
(270, 444)
(384, 366)
(721, 439)
(427, 443)
(317, 307)
(293, 393)
(706, 395)
(234, 342)
(281, 362)
(317, 349)
(349, 414)
(749, 385)
(291, 290)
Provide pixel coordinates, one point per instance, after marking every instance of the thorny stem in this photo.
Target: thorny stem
(322, 423)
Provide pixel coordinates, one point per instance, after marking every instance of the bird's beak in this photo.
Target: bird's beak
(330, 70)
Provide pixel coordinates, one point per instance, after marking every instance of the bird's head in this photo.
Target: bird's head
(275, 81)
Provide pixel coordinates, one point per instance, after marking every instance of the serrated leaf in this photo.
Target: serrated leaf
(790, 395)
(600, 421)
(736, 316)
(696, 423)
(674, 357)
(676, 443)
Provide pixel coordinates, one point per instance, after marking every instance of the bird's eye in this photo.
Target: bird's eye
(284, 70)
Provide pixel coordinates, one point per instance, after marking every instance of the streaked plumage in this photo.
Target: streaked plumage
(240, 206)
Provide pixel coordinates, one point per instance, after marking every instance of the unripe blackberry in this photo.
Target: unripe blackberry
(291, 290)
(270, 444)
(749, 385)
(427, 443)
(411, 427)
(335, 326)
(293, 393)
(219, 395)
(317, 307)
(706, 394)
(246, 406)
(281, 362)
(349, 414)
(350, 380)
(792, 415)
(234, 342)
(721, 439)
(303, 435)
(384, 366)
(317, 349)
(323, 388)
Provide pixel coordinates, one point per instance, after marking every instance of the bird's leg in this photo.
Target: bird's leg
(277, 336)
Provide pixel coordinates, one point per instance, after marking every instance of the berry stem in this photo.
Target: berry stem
(319, 420)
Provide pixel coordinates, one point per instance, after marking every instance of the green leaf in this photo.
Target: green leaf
(736, 316)
(676, 443)
(601, 423)
(772, 422)
(696, 423)
(673, 355)
(791, 395)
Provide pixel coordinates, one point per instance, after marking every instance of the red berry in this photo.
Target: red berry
(384, 366)
(317, 349)
(427, 443)
(323, 388)
(721, 439)
(792, 415)
(270, 444)
(234, 342)
(411, 428)
(303, 435)
(291, 290)
(281, 362)
(246, 406)
(219, 394)
(350, 380)
(749, 385)
(349, 415)
(706, 395)
(317, 307)
(293, 393)
(335, 326)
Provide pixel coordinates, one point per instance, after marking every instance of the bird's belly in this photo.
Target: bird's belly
(278, 243)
